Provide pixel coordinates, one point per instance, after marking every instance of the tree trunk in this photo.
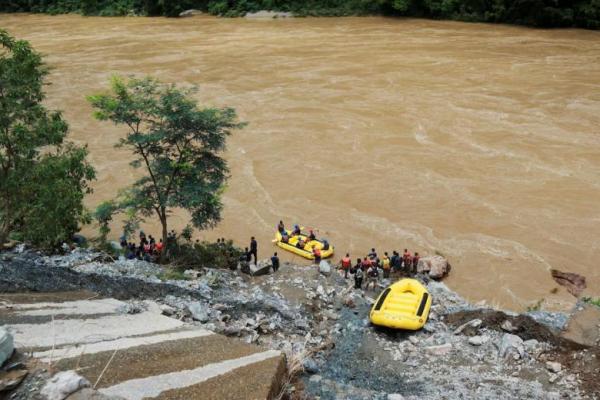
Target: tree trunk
(165, 234)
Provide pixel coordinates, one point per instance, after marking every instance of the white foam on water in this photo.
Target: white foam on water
(153, 386)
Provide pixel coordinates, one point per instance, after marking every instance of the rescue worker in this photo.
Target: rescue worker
(373, 254)
(406, 260)
(281, 227)
(372, 275)
(346, 265)
(254, 249)
(275, 262)
(316, 254)
(358, 275)
(385, 264)
(396, 261)
(415, 262)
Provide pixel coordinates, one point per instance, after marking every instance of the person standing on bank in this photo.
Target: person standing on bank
(275, 262)
(254, 249)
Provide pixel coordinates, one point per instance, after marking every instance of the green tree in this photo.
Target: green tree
(43, 179)
(177, 144)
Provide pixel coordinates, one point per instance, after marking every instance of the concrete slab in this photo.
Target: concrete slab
(141, 356)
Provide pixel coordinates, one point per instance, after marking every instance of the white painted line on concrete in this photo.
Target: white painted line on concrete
(153, 386)
(118, 344)
(72, 331)
(83, 307)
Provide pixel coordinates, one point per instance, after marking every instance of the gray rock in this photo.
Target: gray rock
(472, 325)
(478, 340)
(511, 345)
(508, 326)
(324, 268)
(167, 310)
(310, 366)
(190, 13)
(269, 14)
(198, 311)
(63, 384)
(6, 345)
(413, 339)
(262, 268)
(439, 350)
(553, 366)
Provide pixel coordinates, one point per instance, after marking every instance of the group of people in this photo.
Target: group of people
(148, 249)
(369, 267)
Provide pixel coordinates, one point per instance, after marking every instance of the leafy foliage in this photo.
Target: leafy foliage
(43, 179)
(177, 145)
(543, 13)
(198, 255)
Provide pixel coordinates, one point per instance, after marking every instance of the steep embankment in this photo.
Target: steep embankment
(321, 323)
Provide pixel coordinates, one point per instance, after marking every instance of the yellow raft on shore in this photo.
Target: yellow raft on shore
(305, 251)
(403, 305)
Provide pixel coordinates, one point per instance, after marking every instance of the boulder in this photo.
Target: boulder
(478, 340)
(269, 14)
(11, 379)
(198, 311)
(190, 13)
(508, 326)
(436, 266)
(310, 366)
(324, 268)
(574, 283)
(553, 366)
(63, 384)
(262, 268)
(440, 350)
(6, 345)
(511, 346)
(191, 274)
(584, 326)
(469, 328)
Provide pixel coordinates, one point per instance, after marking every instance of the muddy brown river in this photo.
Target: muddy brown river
(481, 142)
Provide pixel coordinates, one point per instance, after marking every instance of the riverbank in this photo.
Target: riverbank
(583, 14)
(320, 323)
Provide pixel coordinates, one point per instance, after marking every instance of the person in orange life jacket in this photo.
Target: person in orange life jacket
(373, 254)
(316, 254)
(159, 246)
(311, 235)
(385, 264)
(415, 262)
(346, 264)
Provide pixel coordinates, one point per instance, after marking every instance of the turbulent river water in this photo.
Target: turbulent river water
(481, 142)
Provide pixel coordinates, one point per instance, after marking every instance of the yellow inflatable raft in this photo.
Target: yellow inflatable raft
(403, 305)
(304, 251)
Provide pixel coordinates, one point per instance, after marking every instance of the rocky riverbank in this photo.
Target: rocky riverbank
(321, 323)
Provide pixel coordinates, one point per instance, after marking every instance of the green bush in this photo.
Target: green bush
(188, 255)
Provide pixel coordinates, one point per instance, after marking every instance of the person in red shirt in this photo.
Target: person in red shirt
(366, 263)
(346, 264)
